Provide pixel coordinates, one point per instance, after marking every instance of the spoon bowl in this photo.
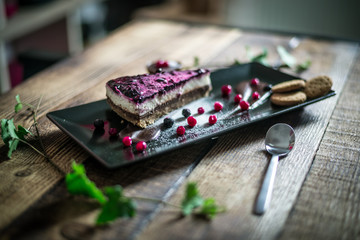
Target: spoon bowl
(279, 141)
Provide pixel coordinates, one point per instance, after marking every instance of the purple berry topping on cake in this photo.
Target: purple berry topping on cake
(142, 87)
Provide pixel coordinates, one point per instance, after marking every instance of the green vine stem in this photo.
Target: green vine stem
(155, 200)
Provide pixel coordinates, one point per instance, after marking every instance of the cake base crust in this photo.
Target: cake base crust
(161, 110)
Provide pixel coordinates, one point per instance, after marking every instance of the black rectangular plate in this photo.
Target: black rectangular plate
(77, 121)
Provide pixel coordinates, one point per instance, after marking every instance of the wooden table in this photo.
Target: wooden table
(317, 187)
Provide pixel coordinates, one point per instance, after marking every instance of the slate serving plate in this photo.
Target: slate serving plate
(77, 122)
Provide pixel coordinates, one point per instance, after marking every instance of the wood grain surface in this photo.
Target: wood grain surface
(316, 193)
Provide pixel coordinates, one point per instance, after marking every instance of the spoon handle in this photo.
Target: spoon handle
(264, 197)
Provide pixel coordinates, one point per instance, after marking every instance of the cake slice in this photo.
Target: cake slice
(142, 99)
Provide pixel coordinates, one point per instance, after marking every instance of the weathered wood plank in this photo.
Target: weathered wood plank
(232, 171)
(74, 217)
(62, 91)
(328, 205)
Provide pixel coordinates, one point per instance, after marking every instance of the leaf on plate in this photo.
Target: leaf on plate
(191, 200)
(260, 58)
(286, 57)
(117, 206)
(303, 66)
(78, 183)
(11, 135)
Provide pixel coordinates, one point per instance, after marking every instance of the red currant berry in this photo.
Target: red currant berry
(255, 82)
(141, 146)
(212, 119)
(237, 98)
(127, 141)
(218, 106)
(226, 90)
(244, 105)
(191, 121)
(255, 95)
(113, 132)
(162, 64)
(201, 110)
(180, 130)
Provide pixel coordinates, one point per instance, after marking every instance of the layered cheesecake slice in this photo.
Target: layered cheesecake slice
(142, 99)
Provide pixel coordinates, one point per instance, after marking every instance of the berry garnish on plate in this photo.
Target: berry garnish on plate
(218, 106)
(244, 105)
(141, 146)
(226, 90)
(212, 119)
(237, 98)
(255, 95)
(180, 130)
(186, 112)
(191, 121)
(201, 110)
(113, 132)
(254, 82)
(168, 122)
(127, 141)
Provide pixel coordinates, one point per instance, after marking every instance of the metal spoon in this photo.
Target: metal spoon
(280, 140)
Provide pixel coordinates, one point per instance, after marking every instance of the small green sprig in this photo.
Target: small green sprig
(12, 136)
(193, 200)
(287, 60)
(112, 201)
(79, 184)
(260, 58)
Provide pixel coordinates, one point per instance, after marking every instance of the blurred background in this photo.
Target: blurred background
(35, 34)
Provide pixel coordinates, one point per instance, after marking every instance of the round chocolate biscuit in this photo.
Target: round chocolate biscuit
(317, 86)
(288, 99)
(288, 86)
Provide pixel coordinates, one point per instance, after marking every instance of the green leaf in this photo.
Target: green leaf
(286, 57)
(236, 62)
(11, 136)
(5, 135)
(17, 97)
(12, 146)
(260, 58)
(117, 206)
(209, 208)
(303, 66)
(192, 199)
(22, 132)
(18, 107)
(11, 128)
(196, 61)
(19, 104)
(78, 183)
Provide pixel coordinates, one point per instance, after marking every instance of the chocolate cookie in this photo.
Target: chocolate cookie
(288, 99)
(317, 86)
(288, 86)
